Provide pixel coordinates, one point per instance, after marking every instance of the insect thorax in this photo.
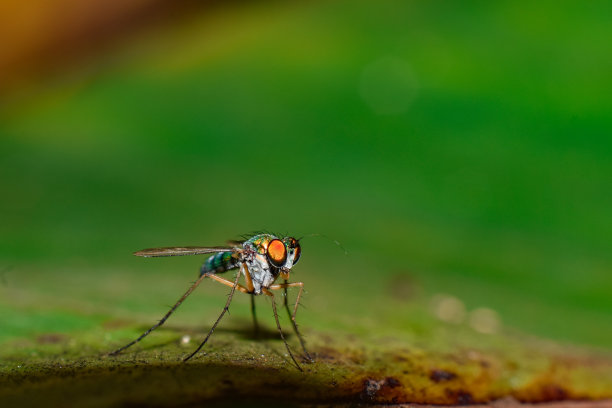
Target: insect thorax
(262, 273)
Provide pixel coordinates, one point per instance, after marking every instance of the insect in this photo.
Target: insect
(261, 259)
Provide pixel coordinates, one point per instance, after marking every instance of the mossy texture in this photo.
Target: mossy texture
(460, 367)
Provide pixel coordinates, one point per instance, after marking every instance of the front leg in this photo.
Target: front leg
(267, 292)
(295, 307)
(297, 300)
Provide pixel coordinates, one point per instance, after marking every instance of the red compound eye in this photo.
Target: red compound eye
(277, 253)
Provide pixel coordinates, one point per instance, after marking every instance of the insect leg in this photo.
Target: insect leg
(234, 285)
(267, 292)
(249, 283)
(163, 319)
(255, 325)
(230, 283)
(295, 307)
(247, 277)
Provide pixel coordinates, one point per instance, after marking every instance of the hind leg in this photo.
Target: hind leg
(163, 319)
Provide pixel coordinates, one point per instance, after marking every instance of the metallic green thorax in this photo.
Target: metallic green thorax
(260, 242)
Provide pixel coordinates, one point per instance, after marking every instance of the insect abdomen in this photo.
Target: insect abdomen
(218, 263)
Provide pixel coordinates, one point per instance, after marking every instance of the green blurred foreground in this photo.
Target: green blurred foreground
(452, 151)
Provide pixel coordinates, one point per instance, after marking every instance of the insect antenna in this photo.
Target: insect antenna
(326, 237)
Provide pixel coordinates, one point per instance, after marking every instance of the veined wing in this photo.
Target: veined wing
(178, 251)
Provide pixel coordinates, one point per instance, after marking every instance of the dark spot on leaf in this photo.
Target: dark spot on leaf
(370, 388)
(392, 382)
(399, 358)
(441, 375)
(460, 397)
(464, 398)
(553, 392)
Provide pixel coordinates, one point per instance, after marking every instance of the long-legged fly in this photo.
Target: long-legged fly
(261, 259)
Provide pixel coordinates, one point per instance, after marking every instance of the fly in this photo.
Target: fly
(261, 259)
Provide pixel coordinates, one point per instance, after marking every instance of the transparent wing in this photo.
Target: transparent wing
(178, 251)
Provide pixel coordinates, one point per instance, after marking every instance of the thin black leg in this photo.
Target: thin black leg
(292, 318)
(212, 329)
(267, 292)
(255, 324)
(163, 319)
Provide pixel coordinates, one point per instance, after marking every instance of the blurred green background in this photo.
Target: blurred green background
(457, 148)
